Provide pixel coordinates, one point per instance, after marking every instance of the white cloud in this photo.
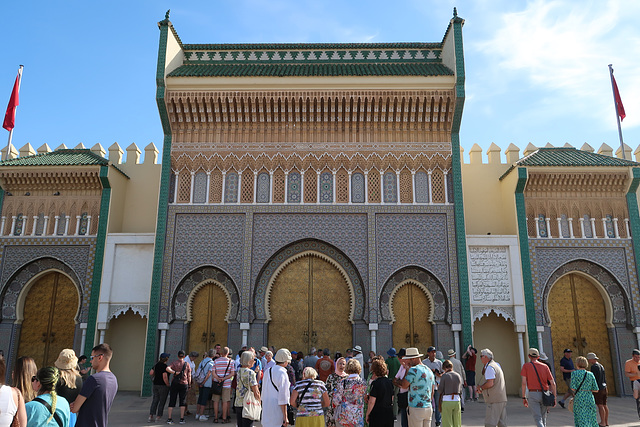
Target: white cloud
(562, 48)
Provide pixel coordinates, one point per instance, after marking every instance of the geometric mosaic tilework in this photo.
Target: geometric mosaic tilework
(293, 191)
(15, 285)
(617, 294)
(262, 192)
(418, 240)
(422, 276)
(200, 187)
(231, 187)
(207, 240)
(614, 257)
(204, 274)
(260, 298)
(326, 187)
(422, 187)
(76, 253)
(273, 232)
(390, 188)
(357, 187)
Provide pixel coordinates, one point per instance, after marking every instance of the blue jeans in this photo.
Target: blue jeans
(160, 393)
(404, 421)
(436, 413)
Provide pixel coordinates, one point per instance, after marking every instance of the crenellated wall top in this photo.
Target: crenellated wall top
(115, 153)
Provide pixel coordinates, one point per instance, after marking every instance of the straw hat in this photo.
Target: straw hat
(67, 359)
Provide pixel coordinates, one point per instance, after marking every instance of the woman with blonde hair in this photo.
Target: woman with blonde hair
(70, 382)
(24, 369)
(348, 398)
(583, 385)
(47, 406)
(11, 401)
(309, 395)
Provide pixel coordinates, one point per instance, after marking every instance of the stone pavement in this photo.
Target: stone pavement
(129, 409)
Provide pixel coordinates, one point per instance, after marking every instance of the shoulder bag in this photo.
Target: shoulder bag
(572, 398)
(216, 386)
(548, 399)
(56, 416)
(291, 411)
(251, 407)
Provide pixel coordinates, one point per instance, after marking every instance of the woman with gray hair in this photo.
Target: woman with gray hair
(247, 383)
(310, 396)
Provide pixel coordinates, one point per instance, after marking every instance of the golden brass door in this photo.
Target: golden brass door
(310, 306)
(208, 326)
(49, 319)
(411, 310)
(578, 316)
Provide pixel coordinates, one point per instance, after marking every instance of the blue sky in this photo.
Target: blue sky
(536, 71)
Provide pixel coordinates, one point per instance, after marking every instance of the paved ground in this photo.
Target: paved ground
(129, 409)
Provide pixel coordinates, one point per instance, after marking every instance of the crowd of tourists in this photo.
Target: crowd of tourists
(328, 389)
(67, 394)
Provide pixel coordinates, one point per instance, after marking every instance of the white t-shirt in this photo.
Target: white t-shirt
(271, 399)
(489, 373)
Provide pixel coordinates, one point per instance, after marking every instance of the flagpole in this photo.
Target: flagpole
(11, 131)
(615, 106)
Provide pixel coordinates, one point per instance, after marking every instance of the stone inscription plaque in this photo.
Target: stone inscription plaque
(489, 270)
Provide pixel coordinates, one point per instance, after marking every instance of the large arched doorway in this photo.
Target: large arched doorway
(579, 321)
(310, 306)
(208, 318)
(412, 313)
(50, 308)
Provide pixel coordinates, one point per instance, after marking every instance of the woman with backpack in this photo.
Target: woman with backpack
(179, 385)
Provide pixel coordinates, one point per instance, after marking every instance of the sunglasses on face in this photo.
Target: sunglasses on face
(97, 355)
(34, 378)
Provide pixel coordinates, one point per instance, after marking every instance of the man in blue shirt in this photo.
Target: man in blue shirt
(421, 382)
(566, 366)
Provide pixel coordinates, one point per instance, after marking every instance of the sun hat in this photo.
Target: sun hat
(67, 359)
(392, 352)
(451, 352)
(358, 349)
(412, 353)
(592, 356)
(543, 357)
(283, 355)
(264, 349)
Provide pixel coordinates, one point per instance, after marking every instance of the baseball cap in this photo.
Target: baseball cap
(533, 352)
(430, 349)
(568, 350)
(635, 352)
(165, 355)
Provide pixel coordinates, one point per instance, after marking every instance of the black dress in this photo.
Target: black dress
(382, 412)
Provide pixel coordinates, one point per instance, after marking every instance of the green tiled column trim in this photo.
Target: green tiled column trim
(458, 208)
(523, 237)
(163, 201)
(96, 280)
(634, 217)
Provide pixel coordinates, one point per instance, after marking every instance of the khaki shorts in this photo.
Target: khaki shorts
(226, 395)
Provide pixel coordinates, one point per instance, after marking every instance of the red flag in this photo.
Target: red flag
(10, 115)
(616, 95)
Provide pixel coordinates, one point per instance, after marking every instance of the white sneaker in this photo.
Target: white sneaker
(204, 417)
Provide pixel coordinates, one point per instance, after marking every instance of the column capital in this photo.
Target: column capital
(163, 326)
(373, 326)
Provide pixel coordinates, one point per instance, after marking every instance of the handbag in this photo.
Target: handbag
(291, 411)
(548, 399)
(251, 407)
(216, 386)
(571, 399)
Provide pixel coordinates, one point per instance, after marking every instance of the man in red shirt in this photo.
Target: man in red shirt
(536, 377)
(324, 366)
(470, 371)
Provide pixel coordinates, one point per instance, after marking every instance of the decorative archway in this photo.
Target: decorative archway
(275, 265)
(13, 293)
(426, 281)
(617, 301)
(196, 279)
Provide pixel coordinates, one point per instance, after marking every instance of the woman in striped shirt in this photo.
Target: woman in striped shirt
(310, 396)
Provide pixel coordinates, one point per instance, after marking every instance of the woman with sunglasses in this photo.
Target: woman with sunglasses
(24, 369)
(47, 409)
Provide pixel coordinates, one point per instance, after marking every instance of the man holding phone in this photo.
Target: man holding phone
(436, 367)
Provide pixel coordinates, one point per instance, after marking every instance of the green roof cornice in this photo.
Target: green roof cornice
(568, 157)
(311, 46)
(62, 157)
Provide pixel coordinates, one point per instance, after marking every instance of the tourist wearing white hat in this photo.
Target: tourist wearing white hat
(276, 391)
(421, 383)
(601, 396)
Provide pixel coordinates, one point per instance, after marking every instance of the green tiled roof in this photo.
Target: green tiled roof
(316, 69)
(314, 46)
(64, 157)
(568, 157)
